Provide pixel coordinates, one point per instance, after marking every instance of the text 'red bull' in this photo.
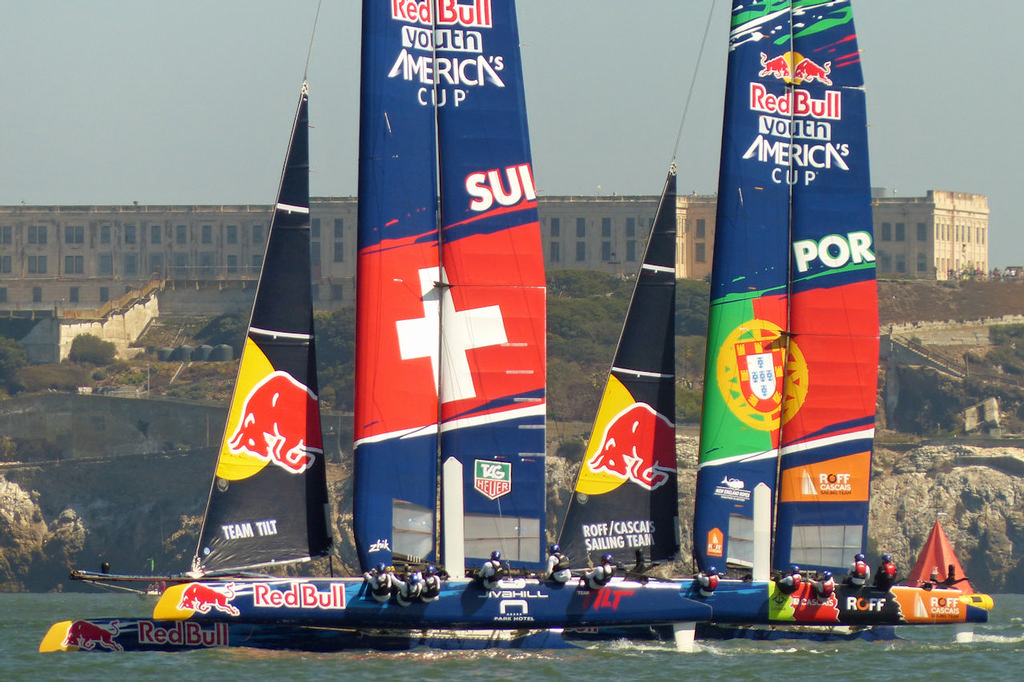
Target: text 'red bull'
(203, 599)
(299, 596)
(639, 445)
(86, 635)
(476, 14)
(280, 423)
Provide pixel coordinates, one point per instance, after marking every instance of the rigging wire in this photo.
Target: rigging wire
(312, 36)
(693, 79)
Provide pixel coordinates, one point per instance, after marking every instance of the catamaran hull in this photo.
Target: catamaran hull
(530, 603)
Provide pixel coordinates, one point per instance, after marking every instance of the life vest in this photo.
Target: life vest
(859, 574)
(600, 575)
(561, 562)
(825, 588)
(431, 588)
(708, 583)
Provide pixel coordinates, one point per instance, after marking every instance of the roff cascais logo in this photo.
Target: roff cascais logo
(751, 376)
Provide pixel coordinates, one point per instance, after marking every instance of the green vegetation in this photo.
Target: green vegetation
(12, 359)
(93, 350)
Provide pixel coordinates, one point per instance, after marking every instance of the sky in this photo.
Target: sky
(190, 101)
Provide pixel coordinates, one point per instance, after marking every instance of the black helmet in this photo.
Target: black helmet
(887, 557)
(416, 577)
(859, 557)
(606, 559)
(712, 570)
(495, 555)
(794, 568)
(827, 574)
(381, 567)
(555, 548)
(430, 570)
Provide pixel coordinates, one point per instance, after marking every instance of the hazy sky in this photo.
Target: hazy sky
(190, 101)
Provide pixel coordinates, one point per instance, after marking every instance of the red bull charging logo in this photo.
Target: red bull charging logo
(639, 445)
(280, 423)
(88, 636)
(203, 599)
(793, 67)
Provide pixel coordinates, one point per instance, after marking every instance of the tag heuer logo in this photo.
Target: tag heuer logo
(493, 479)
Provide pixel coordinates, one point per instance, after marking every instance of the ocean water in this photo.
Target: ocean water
(921, 653)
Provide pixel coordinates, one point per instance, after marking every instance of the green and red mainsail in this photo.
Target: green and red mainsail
(450, 359)
(792, 351)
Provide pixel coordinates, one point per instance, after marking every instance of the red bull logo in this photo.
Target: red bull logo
(278, 417)
(793, 67)
(469, 13)
(204, 598)
(302, 595)
(184, 633)
(88, 636)
(639, 445)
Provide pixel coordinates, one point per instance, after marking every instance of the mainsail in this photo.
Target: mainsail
(792, 352)
(626, 495)
(268, 501)
(450, 367)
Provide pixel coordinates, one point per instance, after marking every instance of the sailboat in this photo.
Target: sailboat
(450, 396)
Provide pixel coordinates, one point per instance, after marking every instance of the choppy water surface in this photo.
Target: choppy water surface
(922, 653)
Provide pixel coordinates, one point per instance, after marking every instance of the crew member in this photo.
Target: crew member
(491, 571)
(860, 573)
(790, 582)
(431, 584)
(410, 589)
(885, 577)
(599, 575)
(558, 565)
(708, 581)
(826, 586)
(378, 580)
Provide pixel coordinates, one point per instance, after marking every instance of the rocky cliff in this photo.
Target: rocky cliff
(132, 510)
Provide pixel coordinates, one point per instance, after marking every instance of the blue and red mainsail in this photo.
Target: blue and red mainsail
(450, 303)
(792, 355)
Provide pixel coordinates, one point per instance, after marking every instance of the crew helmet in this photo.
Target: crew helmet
(606, 559)
(495, 555)
(555, 548)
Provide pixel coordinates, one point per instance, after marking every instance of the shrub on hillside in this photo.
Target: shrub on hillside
(92, 349)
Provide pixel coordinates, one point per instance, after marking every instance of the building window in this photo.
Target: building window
(922, 262)
(3, 294)
(314, 228)
(5, 265)
(315, 292)
(339, 228)
(884, 262)
(6, 234)
(339, 252)
(36, 234)
(73, 295)
(232, 264)
(630, 227)
(556, 227)
(701, 228)
(156, 264)
(131, 265)
(74, 265)
(74, 234)
(606, 251)
(337, 292)
(555, 251)
(37, 294)
(901, 232)
(232, 234)
(314, 254)
(581, 252)
(699, 252)
(37, 265)
(257, 234)
(631, 250)
(257, 261)
(130, 234)
(104, 234)
(581, 227)
(181, 234)
(901, 263)
(886, 232)
(104, 294)
(154, 234)
(922, 232)
(105, 264)
(207, 234)
(181, 264)
(206, 261)
(606, 227)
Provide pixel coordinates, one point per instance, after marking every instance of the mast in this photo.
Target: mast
(268, 501)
